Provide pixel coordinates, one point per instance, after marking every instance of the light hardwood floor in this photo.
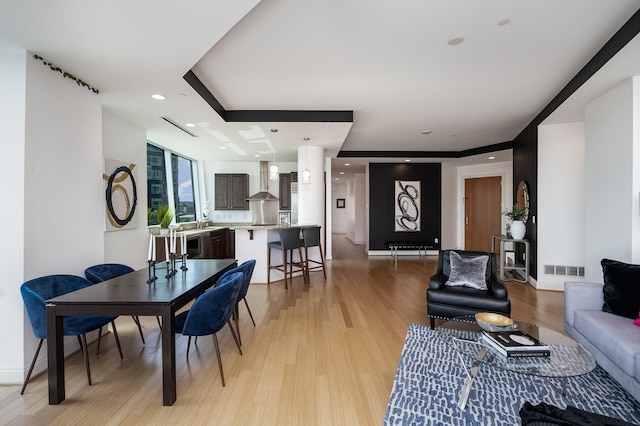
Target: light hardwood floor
(323, 353)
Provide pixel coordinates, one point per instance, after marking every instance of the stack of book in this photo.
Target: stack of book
(515, 343)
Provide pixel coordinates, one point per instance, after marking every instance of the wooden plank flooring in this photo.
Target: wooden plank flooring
(323, 353)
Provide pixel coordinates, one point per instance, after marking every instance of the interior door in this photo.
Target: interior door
(482, 211)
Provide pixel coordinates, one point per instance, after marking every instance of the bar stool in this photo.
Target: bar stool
(311, 238)
(289, 241)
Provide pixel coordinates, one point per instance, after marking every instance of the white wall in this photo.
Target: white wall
(125, 142)
(339, 216)
(612, 184)
(449, 208)
(57, 131)
(12, 172)
(561, 186)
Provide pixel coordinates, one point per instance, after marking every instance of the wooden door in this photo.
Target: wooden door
(482, 212)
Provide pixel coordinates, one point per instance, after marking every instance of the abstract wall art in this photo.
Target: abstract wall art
(121, 196)
(407, 202)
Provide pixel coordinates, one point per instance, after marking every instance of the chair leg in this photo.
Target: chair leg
(159, 323)
(268, 265)
(236, 316)
(306, 263)
(284, 266)
(305, 275)
(250, 314)
(33, 363)
(85, 352)
(115, 334)
(324, 272)
(215, 343)
(188, 346)
(432, 321)
(137, 321)
(99, 341)
(233, 333)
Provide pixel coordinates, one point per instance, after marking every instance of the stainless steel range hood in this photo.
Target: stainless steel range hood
(264, 205)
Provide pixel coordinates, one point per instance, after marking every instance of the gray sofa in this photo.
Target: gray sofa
(613, 340)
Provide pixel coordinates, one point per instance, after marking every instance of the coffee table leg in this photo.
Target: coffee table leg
(471, 374)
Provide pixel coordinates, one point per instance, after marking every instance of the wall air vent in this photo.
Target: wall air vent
(568, 271)
(170, 121)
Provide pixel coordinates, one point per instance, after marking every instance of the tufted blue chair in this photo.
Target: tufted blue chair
(35, 293)
(247, 270)
(210, 312)
(105, 271)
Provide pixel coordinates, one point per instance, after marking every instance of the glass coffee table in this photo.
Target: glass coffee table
(568, 358)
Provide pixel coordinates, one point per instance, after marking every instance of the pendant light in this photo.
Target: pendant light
(274, 170)
(306, 173)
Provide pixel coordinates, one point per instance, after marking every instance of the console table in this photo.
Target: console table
(517, 266)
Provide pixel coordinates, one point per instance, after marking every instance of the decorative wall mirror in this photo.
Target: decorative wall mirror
(523, 199)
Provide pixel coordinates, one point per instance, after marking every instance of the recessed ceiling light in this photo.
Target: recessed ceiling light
(158, 97)
(492, 158)
(407, 160)
(274, 130)
(341, 173)
(455, 41)
(223, 147)
(256, 155)
(190, 125)
(426, 132)
(337, 179)
(504, 22)
(347, 164)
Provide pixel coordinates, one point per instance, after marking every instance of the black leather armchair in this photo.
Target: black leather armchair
(448, 302)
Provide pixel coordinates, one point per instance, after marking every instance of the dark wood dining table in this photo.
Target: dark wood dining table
(130, 294)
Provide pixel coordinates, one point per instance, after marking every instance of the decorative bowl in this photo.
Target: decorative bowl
(490, 321)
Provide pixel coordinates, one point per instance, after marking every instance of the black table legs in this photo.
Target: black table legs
(55, 356)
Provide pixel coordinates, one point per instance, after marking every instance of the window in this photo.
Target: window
(173, 186)
(184, 201)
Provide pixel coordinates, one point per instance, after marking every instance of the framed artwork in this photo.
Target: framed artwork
(285, 218)
(407, 206)
(121, 195)
(340, 203)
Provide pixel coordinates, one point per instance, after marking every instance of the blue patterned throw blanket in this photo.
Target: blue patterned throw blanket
(429, 378)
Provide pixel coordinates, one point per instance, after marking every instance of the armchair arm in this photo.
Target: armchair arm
(437, 281)
(581, 295)
(497, 287)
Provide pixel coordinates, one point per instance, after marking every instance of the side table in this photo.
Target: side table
(523, 267)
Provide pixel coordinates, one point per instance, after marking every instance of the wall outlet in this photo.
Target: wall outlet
(435, 240)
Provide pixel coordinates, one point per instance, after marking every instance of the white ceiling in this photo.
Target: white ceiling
(389, 63)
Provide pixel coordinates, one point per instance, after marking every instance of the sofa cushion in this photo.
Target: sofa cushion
(616, 337)
(468, 271)
(621, 288)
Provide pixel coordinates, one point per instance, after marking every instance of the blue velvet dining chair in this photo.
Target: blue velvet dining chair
(210, 312)
(37, 291)
(246, 268)
(105, 271)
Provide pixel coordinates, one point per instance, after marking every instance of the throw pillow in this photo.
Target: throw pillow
(621, 288)
(468, 271)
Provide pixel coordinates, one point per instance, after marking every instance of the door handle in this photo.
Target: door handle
(466, 220)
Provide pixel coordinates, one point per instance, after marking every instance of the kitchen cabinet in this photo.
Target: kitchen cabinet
(231, 191)
(222, 244)
(284, 196)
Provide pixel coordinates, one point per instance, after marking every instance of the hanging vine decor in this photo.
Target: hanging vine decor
(65, 74)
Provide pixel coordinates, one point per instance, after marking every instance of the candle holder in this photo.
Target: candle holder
(171, 265)
(184, 262)
(152, 275)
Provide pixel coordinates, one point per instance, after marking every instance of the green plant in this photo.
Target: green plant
(515, 213)
(164, 215)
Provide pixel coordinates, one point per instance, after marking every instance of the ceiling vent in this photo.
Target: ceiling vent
(170, 121)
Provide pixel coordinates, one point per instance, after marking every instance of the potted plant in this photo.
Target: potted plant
(516, 215)
(165, 216)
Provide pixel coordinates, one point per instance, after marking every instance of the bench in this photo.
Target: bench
(421, 246)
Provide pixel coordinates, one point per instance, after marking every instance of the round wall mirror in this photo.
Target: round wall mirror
(523, 199)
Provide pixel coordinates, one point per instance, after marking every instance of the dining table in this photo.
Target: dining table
(132, 294)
